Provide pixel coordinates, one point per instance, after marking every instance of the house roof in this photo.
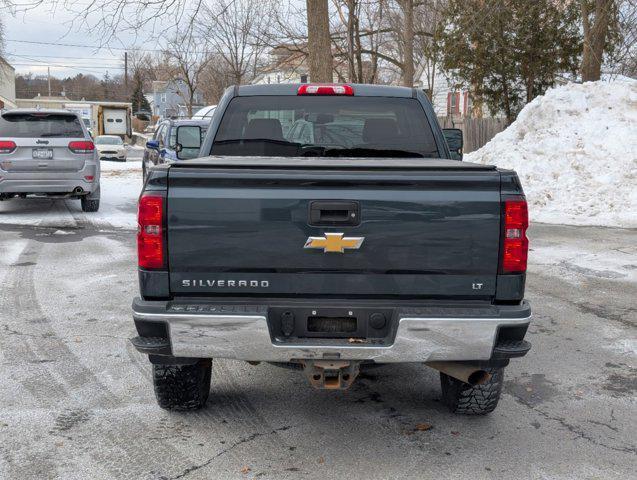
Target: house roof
(53, 98)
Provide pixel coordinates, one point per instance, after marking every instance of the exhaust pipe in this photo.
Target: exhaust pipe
(465, 372)
(78, 190)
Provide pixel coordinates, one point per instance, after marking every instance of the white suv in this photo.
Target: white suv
(48, 153)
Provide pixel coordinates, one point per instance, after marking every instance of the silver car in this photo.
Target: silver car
(48, 153)
(110, 147)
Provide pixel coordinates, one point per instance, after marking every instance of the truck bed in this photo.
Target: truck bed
(333, 163)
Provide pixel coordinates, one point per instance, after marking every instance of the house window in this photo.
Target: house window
(453, 103)
(468, 104)
(163, 97)
(304, 78)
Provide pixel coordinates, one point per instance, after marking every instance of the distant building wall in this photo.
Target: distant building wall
(7, 84)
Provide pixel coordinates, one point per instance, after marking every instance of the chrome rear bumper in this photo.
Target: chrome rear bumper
(246, 336)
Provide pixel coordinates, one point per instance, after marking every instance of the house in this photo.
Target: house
(448, 99)
(170, 99)
(286, 65)
(7, 85)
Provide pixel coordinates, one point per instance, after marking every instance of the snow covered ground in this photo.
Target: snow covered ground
(120, 186)
(575, 149)
(571, 253)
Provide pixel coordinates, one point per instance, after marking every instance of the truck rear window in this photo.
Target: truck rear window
(325, 126)
(38, 125)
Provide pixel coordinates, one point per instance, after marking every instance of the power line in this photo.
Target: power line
(42, 63)
(75, 67)
(94, 47)
(114, 59)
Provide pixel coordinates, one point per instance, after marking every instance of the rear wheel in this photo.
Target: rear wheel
(465, 399)
(182, 387)
(89, 205)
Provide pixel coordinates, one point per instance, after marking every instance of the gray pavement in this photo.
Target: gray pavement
(76, 400)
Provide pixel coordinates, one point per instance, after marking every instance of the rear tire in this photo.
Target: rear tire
(89, 205)
(463, 399)
(182, 387)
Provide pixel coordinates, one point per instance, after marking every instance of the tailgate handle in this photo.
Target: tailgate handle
(332, 213)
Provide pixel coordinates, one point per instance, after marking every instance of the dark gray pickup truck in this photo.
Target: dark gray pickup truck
(328, 228)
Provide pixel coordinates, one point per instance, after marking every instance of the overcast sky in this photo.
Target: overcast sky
(42, 25)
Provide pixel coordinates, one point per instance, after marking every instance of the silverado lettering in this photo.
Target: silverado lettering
(226, 283)
(378, 243)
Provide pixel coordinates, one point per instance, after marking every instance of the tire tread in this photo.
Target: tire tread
(182, 387)
(464, 399)
(90, 205)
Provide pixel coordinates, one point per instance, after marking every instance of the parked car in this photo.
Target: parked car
(204, 113)
(162, 148)
(370, 246)
(48, 153)
(110, 147)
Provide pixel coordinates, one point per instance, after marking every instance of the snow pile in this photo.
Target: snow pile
(575, 150)
(120, 186)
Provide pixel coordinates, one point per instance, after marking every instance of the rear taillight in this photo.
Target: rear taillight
(150, 232)
(7, 146)
(326, 89)
(515, 248)
(81, 147)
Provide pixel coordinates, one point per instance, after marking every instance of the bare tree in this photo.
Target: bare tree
(407, 7)
(215, 78)
(356, 38)
(107, 19)
(148, 67)
(188, 57)
(623, 59)
(319, 43)
(596, 21)
(370, 42)
(236, 31)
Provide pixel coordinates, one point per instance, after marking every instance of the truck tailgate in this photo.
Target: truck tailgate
(428, 230)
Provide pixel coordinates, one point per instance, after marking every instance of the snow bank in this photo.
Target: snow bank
(575, 150)
(120, 186)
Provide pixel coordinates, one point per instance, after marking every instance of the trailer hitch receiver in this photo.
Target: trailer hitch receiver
(330, 374)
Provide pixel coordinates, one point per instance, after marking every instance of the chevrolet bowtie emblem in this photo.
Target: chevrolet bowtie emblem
(334, 243)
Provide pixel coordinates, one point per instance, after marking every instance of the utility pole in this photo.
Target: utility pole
(48, 74)
(126, 72)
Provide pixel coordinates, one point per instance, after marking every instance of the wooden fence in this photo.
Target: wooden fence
(476, 131)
